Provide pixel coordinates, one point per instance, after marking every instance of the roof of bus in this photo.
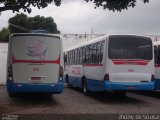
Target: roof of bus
(88, 42)
(99, 39)
(35, 34)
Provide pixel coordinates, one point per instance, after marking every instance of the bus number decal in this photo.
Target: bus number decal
(35, 69)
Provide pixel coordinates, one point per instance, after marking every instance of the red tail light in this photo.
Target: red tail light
(106, 77)
(10, 73)
(152, 78)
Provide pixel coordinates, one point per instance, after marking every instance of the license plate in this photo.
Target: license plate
(35, 78)
(131, 87)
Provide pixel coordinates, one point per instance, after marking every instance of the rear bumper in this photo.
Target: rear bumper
(127, 86)
(34, 88)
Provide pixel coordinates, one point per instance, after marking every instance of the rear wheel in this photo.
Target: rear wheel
(120, 93)
(85, 90)
(67, 81)
(11, 94)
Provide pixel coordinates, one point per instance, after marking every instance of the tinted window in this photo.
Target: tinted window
(155, 55)
(158, 56)
(130, 47)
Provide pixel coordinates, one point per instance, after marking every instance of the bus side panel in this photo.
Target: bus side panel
(75, 75)
(75, 81)
(93, 72)
(95, 85)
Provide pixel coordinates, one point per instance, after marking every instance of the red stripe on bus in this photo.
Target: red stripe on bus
(93, 65)
(130, 62)
(36, 61)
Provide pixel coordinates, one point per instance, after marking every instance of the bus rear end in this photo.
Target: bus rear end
(34, 64)
(130, 64)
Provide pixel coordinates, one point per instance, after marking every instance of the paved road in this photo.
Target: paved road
(73, 101)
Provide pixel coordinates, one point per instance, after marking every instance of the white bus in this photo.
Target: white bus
(157, 64)
(34, 64)
(117, 63)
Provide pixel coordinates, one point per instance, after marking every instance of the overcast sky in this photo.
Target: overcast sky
(75, 16)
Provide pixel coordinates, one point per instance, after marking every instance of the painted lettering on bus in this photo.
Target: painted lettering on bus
(76, 70)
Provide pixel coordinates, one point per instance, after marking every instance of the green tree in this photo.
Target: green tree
(4, 35)
(40, 22)
(17, 21)
(115, 5)
(21, 23)
(16, 5)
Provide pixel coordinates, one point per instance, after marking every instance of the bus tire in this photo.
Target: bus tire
(11, 95)
(120, 93)
(84, 88)
(67, 81)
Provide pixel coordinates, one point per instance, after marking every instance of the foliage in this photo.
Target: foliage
(17, 21)
(31, 23)
(16, 5)
(4, 35)
(115, 5)
(40, 22)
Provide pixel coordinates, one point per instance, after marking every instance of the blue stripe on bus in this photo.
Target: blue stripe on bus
(101, 85)
(95, 85)
(157, 84)
(128, 85)
(28, 87)
(75, 81)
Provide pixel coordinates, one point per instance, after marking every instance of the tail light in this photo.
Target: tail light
(10, 73)
(61, 73)
(106, 77)
(152, 78)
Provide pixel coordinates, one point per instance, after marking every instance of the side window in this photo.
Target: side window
(90, 53)
(158, 56)
(81, 55)
(101, 51)
(98, 52)
(84, 55)
(78, 55)
(65, 58)
(70, 55)
(155, 55)
(94, 53)
(69, 58)
(87, 54)
(74, 51)
(75, 56)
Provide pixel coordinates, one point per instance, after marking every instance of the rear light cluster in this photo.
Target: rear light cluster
(106, 77)
(10, 73)
(61, 73)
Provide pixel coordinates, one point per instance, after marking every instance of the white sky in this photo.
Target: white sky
(75, 16)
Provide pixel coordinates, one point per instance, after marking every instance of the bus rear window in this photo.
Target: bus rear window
(129, 47)
(35, 48)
